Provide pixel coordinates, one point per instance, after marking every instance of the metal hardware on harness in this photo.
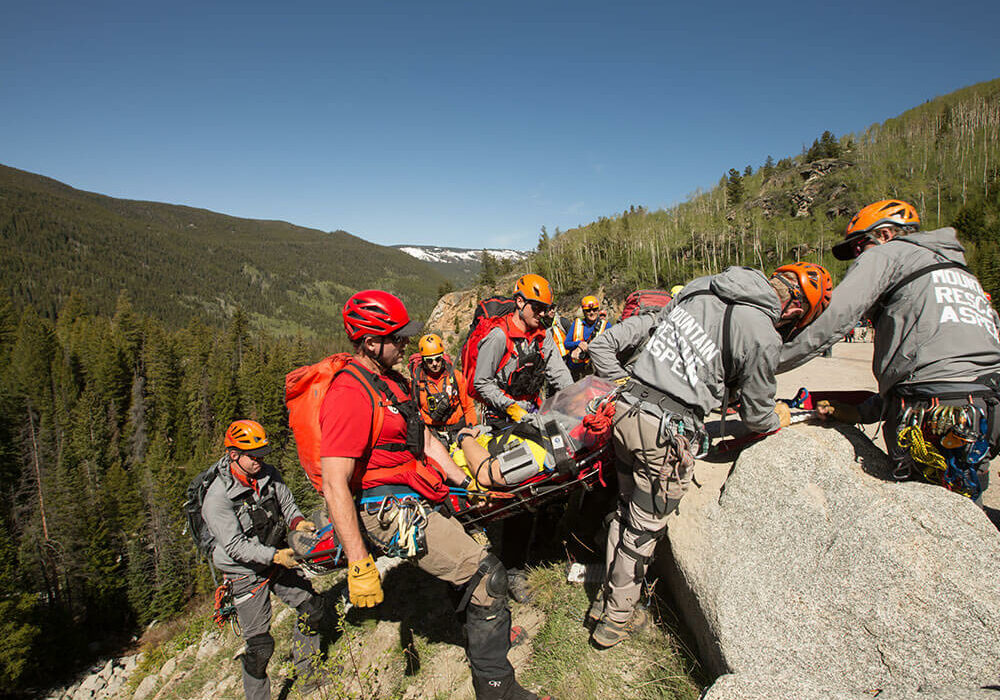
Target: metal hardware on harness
(410, 517)
(225, 608)
(946, 443)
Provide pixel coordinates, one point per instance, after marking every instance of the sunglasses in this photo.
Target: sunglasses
(396, 340)
(434, 360)
(539, 308)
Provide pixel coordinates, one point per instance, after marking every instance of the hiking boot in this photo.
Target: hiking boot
(506, 688)
(596, 611)
(608, 633)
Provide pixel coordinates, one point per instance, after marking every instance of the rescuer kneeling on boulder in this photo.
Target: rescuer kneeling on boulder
(936, 355)
(719, 333)
(249, 510)
(381, 467)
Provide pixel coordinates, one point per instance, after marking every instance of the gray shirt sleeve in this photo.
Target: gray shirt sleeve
(491, 351)
(854, 296)
(555, 368)
(219, 514)
(758, 386)
(623, 337)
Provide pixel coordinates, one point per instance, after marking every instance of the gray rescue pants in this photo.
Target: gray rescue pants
(254, 612)
(654, 471)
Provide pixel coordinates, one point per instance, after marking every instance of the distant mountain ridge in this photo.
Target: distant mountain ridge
(180, 264)
(461, 265)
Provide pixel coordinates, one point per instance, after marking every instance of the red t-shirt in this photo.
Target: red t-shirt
(345, 420)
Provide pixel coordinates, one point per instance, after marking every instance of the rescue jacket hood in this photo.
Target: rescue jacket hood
(747, 287)
(941, 241)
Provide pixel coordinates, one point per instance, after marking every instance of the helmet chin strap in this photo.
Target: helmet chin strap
(375, 357)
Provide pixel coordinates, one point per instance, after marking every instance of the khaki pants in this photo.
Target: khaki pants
(452, 555)
(653, 474)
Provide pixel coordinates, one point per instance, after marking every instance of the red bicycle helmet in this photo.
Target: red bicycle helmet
(374, 312)
(816, 286)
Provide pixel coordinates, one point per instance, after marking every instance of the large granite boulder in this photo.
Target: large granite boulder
(809, 566)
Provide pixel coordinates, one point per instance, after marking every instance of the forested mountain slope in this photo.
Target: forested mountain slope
(181, 264)
(943, 156)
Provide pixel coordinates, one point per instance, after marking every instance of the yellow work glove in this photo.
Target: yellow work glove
(516, 413)
(285, 557)
(305, 526)
(784, 413)
(364, 583)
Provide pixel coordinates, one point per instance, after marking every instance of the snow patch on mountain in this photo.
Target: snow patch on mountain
(439, 254)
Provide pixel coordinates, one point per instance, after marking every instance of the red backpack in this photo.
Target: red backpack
(644, 301)
(489, 315)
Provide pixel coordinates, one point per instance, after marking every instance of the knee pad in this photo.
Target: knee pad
(495, 575)
(492, 576)
(257, 654)
(312, 615)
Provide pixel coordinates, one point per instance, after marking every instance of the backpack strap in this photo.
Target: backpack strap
(377, 402)
(730, 384)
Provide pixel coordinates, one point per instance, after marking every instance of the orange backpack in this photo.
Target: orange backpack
(305, 389)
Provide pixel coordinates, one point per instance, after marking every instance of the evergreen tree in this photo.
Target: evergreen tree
(488, 269)
(734, 188)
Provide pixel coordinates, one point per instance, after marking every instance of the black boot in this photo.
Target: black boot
(506, 688)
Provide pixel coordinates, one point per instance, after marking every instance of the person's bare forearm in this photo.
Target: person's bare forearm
(436, 451)
(340, 506)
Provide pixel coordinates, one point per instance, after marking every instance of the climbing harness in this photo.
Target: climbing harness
(226, 600)
(947, 443)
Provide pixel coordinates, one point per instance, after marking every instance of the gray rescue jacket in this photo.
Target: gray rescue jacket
(683, 357)
(491, 379)
(939, 326)
(226, 511)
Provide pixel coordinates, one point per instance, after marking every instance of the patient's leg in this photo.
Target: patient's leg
(512, 466)
(484, 470)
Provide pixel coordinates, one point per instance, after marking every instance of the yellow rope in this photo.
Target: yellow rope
(911, 438)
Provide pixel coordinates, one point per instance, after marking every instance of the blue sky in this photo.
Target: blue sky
(457, 123)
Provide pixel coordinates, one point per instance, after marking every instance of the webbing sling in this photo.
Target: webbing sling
(886, 296)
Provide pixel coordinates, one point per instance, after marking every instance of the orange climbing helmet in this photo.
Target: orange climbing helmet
(431, 345)
(249, 437)
(590, 302)
(894, 212)
(534, 287)
(816, 286)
